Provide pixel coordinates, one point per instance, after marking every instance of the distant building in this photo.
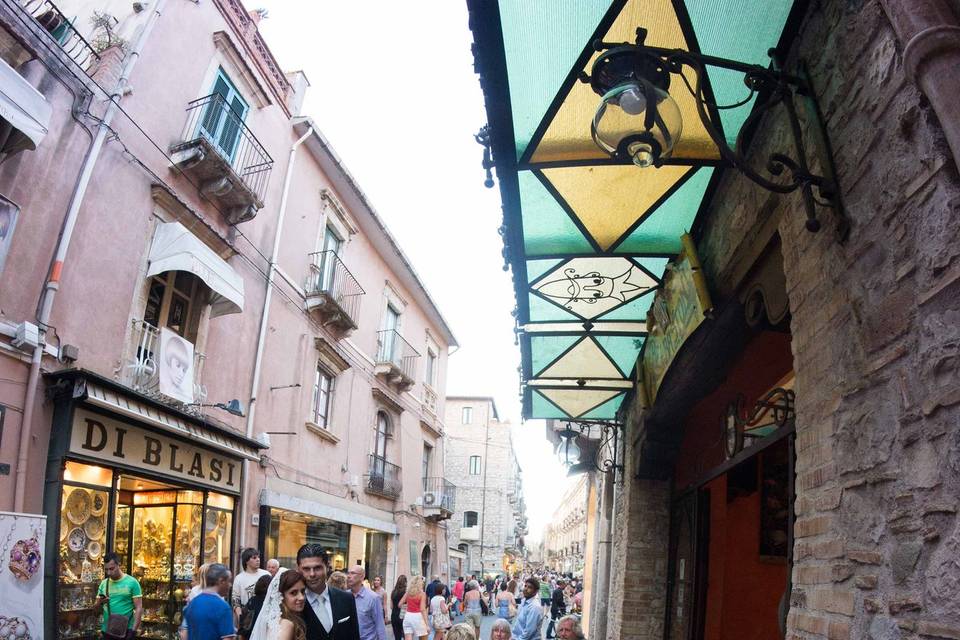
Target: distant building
(489, 522)
(565, 537)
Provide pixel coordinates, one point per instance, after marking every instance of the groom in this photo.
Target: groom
(330, 614)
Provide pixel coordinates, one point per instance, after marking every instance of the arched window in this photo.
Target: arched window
(469, 518)
(462, 547)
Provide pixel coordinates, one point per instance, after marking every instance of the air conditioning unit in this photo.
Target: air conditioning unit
(27, 336)
(431, 499)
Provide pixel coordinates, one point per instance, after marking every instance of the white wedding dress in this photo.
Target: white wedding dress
(267, 626)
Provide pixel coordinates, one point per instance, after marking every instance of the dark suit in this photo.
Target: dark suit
(344, 610)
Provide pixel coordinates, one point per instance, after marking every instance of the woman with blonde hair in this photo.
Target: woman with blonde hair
(462, 631)
(415, 623)
(472, 606)
(338, 580)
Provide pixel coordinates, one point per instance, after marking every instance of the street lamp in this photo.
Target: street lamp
(639, 122)
(604, 457)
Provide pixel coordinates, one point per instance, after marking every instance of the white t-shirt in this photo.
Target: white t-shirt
(243, 586)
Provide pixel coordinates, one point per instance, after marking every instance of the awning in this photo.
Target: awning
(589, 238)
(176, 249)
(25, 110)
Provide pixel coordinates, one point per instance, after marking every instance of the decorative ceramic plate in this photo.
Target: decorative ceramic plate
(209, 546)
(195, 546)
(99, 504)
(78, 506)
(77, 539)
(93, 528)
(222, 519)
(94, 549)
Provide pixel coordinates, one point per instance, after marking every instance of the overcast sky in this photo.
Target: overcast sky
(393, 90)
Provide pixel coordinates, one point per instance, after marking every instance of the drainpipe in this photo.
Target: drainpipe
(265, 317)
(63, 245)
(930, 34)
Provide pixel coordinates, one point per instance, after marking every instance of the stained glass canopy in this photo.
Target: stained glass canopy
(588, 237)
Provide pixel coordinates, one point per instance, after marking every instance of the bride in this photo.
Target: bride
(280, 618)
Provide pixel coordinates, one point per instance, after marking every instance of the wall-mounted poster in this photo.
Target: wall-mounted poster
(9, 212)
(21, 575)
(176, 366)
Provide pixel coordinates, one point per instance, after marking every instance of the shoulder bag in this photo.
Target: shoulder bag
(117, 624)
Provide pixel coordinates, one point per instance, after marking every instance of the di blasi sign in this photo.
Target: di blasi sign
(120, 443)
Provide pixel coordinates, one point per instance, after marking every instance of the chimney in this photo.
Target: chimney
(298, 90)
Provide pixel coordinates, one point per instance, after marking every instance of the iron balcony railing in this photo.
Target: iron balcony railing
(61, 29)
(329, 276)
(142, 370)
(394, 350)
(383, 477)
(439, 493)
(210, 118)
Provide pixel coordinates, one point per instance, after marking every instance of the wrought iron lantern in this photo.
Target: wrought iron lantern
(637, 120)
(604, 457)
(741, 425)
(568, 451)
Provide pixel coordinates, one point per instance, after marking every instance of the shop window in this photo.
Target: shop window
(466, 415)
(322, 402)
(175, 301)
(470, 518)
(87, 474)
(288, 530)
(474, 465)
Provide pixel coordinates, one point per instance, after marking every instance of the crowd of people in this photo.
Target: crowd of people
(311, 602)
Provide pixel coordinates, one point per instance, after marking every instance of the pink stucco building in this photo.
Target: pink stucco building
(175, 235)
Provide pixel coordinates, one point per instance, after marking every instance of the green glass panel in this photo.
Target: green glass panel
(606, 411)
(541, 310)
(741, 30)
(622, 350)
(545, 349)
(661, 231)
(655, 266)
(635, 310)
(541, 41)
(536, 268)
(543, 408)
(547, 229)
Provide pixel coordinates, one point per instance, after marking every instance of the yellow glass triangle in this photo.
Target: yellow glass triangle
(576, 402)
(608, 199)
(568, 135)
(585, 360)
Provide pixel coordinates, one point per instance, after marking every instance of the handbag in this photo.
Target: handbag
(117, 625)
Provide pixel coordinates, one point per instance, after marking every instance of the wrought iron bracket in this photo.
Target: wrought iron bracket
(775, 408)
(608, 456)
(483, 139)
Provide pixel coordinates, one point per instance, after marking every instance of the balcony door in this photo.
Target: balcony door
(332, 245)
(391, 324)
(224, 116)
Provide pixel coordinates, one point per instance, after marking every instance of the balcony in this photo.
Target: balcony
(62, 31)
(396, 359)
(332, 292)
(438, 499)
(141, 372)
(383, 478)
(224, 157)
(470, 534)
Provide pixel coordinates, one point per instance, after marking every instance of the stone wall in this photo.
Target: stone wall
(876, 341)
(637, 587)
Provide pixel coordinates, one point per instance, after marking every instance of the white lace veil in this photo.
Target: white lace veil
(267, 626)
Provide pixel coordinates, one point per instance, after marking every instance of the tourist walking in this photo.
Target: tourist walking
(462, 631)
(245, 580)
(209, 616)
(545, 595)
(558, 607)
(377, 587)
(251, 610)
(415, 623)
(369, 606)
(472, 605)
(505, 605)
(529, 616)
(121, 597)
(330, 614)
(439, 615)
(396, 613)
(458, 588)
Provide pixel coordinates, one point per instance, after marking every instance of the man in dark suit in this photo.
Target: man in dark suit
(330, 614)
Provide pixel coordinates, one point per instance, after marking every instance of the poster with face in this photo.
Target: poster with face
(9, 212)
(176, 366)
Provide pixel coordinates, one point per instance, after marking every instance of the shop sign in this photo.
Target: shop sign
(115, 442)
(678, 308)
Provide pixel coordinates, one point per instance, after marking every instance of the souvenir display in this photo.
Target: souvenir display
(14, 628)
(94, 528)
(98, 504)
(77, 508)
(94, 549)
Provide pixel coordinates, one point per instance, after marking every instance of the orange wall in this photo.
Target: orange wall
(743, 593)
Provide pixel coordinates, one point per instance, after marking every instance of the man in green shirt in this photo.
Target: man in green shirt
(125, 596)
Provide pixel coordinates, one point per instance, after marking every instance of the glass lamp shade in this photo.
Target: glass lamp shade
(637, 121)
(571, 452)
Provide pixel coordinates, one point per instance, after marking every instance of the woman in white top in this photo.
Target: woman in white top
(441, 616)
